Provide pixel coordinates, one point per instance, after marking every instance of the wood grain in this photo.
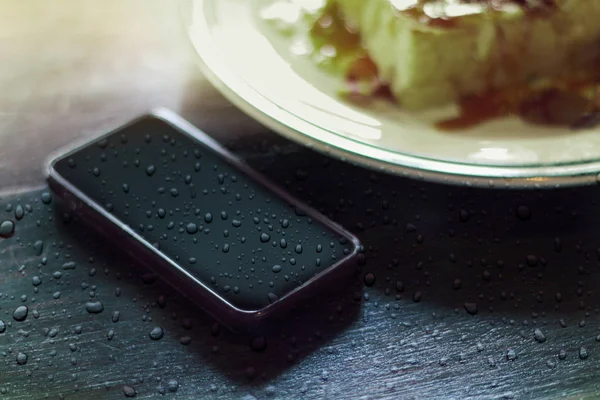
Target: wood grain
(70, 70)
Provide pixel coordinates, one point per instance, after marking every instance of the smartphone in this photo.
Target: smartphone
(220, 233)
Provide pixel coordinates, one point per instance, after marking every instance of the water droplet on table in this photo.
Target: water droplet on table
(369, 279)
(539, 336)
(94, 307)
(523, 213)
(471, 308)
(172, 385)
(129, 391)
(22, 358)
(156, 333)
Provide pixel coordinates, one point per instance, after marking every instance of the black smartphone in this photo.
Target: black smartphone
(219, 232)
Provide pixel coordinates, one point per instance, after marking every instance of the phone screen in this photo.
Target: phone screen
(202, 211)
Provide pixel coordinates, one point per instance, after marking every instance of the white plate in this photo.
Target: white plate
(253, 65)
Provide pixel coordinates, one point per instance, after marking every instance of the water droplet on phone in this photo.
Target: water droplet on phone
(264, 237)
(172, 385)
(116, 316)
(191, 228)
(20, 313)
(69, 265)
(38, 247)
(276, 268)
(7, 229)
(511, 355)
(150, 170)
(46, 198)
(2, 326)
(583, 354)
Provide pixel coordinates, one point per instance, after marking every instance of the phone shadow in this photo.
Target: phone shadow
(527, 254)
(193, 337)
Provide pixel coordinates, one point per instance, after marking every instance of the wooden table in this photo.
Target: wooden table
(528, 261)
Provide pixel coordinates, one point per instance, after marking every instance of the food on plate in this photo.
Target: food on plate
(539, 59)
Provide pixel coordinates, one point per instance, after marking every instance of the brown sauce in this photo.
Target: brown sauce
(560, 105)
(332, 30)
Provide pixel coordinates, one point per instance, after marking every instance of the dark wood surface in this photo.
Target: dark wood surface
(526, 260)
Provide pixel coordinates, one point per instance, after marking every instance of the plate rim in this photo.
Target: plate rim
(265, 111)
